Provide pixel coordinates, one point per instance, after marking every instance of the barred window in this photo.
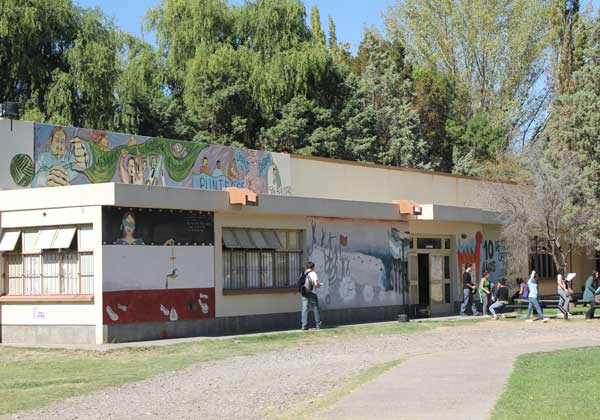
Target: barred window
(261, 259)
(49, 261)
(540, 258)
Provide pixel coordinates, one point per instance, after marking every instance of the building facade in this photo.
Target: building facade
(109, 237)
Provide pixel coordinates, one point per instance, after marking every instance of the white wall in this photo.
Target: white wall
(15, 141)
(48, 314)
(328, 178)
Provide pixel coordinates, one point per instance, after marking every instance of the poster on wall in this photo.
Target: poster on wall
(361, 263)
(158, 265)
(71, 156)
(140, 226)
(486, 253)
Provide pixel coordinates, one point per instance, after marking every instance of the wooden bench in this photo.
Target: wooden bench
(524, 304)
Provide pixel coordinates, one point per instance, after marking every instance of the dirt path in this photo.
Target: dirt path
(261, 386)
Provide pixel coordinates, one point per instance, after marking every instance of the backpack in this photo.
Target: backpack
(302, 283)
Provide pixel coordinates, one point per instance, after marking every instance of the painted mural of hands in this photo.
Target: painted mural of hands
(57, 176)
(80, 153)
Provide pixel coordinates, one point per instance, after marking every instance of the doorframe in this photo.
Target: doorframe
(447, 249)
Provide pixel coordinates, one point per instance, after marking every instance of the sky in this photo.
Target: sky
(350, 16)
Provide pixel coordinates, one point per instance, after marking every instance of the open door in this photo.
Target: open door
(440, 289)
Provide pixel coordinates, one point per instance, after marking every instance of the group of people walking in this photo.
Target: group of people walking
(494, 299)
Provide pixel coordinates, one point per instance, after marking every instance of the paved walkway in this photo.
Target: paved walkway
(449, 384)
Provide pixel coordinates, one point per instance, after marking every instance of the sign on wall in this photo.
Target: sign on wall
(71, 156)
(361, 263)
(158, 265)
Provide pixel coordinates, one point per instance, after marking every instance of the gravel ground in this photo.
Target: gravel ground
(260, 386)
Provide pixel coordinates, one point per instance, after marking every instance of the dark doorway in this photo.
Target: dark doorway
(423, 279)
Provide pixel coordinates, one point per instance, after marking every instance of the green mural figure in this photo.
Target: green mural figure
(22, 170)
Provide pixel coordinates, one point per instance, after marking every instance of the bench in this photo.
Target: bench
(524, 304)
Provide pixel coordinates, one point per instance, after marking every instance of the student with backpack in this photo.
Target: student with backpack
(306, 284)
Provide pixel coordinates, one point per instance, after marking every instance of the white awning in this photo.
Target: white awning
(9, 240)
(45, 238)
(64, 237)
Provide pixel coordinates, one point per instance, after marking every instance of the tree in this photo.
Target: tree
(554, 203)
(381, 123)
(315, 25)
(493, 47)
(567, 39)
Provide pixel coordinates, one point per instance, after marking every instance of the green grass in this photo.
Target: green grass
(556, 385)
(32, 378)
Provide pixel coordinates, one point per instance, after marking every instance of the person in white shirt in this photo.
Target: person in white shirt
(309, 297)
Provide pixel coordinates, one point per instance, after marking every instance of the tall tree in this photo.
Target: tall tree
(382, 124)
(315, 25)
(493, 47)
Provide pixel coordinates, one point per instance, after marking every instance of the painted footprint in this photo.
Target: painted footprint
(122, 307)
(112, 314)
(164, 310)
(173, 315)
(204, 306)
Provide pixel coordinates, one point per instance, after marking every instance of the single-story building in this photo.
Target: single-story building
(110, 237)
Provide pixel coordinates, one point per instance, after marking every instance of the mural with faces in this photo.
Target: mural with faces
(360, 263)
(71, 156)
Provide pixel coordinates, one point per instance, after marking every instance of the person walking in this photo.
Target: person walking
(468, 291)
(309, 297)
(589, 294)
(532, 285)
(485, 292)
(563, 298)
(501, 298)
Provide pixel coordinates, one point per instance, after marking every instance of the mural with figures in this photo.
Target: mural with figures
(360, 263)
(485, 252)
(158, 265)
(70, 156)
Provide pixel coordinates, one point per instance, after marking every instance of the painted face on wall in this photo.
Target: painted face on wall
(129, 225)
(58, 143)
(153, 162)
(131, 167)
(104, 142)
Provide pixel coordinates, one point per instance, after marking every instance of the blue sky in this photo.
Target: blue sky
(350, 16)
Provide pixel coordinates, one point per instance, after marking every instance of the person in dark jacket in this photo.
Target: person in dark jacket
(501, 298)
(589, 294)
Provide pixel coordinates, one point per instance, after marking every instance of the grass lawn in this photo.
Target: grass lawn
(556, 385)
(34, 377)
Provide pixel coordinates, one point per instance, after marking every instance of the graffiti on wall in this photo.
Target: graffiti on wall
(70, 156)
(486, 253)
(158, 265)
(360, 263)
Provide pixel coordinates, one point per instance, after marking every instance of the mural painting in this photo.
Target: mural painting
(485, 253)
(70, 156)
(360, 263)
(158, 265)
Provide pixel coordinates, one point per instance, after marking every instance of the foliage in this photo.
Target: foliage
(555, 203)
(450, 88)
(495, 48)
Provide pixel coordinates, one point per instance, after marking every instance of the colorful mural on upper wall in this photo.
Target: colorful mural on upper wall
(70, 156)
(158, 265)
(360, 263)
(486, 253)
